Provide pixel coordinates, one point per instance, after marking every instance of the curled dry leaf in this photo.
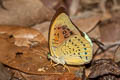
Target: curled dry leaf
(103, 67)
(24, 36)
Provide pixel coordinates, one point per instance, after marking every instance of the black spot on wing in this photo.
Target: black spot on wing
(70, 40)
(78, 53)
(85, 53)
(78, 39)
(80, 57)
(85, 48)
(83, 44)
(75, 37)
(73, 49)
(71, 33)
(75, 44)
(72, 43)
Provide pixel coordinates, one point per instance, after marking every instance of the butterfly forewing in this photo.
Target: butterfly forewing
(61, 29)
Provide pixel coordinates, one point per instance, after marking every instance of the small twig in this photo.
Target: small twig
(102, 47)
(23, 78)
(116, 51)
(94, 27)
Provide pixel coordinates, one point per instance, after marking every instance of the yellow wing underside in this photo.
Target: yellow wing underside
(76, 50)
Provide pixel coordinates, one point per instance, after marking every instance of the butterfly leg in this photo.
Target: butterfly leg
(66, 67)
(52, 64)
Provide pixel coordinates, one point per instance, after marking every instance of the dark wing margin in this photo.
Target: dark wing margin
(59, 11)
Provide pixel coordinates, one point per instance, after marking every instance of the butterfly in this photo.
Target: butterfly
(67, 44)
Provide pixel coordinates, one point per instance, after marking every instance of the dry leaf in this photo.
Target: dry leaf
(117, 55)
(104, 67)
(66, 76)
(110, 30)
(86, 24)
(43, 28)
(4, 73)
(24, 12)
(24, 36)
(104, 55)
(28, 60)
(51, 3)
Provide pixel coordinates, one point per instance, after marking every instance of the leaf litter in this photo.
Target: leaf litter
(24, 50)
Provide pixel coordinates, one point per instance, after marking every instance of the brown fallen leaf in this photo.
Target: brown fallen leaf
(43, 28)
(24, 12)
(28, 60)
(104, 55)
(110, 30)
(86, 24)
(51, 3)
(117, 55)
(104, 67)
(24, 36)
(4, 73)
(65, 76)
